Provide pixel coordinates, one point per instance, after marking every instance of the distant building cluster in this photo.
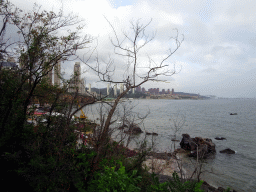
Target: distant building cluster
(154, 91)
(77, 83)
(10, 64)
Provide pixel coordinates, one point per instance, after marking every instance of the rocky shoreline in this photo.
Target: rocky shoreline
(165, 165)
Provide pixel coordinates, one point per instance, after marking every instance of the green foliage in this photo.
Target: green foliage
(227, 190)
(157, 186)
(82, 169)
(175, 185)
(111, 180)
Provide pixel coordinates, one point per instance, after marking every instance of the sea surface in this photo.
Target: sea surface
(199, 118)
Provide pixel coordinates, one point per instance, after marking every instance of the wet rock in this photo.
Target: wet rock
(204, 146)
(147, 133)
(220, 138)
(228, 151)
(133, 129)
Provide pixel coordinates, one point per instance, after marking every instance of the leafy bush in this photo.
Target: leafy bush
(175, 185)
(111, 180)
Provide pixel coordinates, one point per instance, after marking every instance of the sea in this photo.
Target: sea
(199, 118)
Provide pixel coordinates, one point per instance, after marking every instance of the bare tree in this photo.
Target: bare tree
(128, 48)
(177, 121)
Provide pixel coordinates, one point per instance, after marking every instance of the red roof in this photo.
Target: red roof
(39, 113)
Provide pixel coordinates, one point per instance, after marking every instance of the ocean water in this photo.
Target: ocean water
(201, 118)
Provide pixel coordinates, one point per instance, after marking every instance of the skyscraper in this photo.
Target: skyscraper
(108, 89)
(49, 77)
(115, 90)
(57, 68)
(77, 84)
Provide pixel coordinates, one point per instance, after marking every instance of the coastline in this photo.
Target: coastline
(164, 164)
(165, 168)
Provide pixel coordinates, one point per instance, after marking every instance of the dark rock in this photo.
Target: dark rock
(221, 189)
(185, 142)
(204, 146)
(123, 126)
(133, 129)
(206, 187)
(220, 138)
(233, 113)
(147, 133)
(228, 151)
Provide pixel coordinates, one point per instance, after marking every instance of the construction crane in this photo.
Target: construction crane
(82, 116)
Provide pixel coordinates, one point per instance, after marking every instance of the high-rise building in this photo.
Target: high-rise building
(77, 84)
(90, 89)
(115, 90)
(57, 68)
(49, 77)
(108, 89)
(172, 91)
(121, 88)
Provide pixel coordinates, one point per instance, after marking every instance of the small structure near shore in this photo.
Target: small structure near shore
(198, 146)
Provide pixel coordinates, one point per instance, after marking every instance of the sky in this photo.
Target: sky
(217, 56)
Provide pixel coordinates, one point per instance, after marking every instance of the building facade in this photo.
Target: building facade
(57, 69)
(77, 83)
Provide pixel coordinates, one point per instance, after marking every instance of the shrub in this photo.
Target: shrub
(175, 185)
(111, 180)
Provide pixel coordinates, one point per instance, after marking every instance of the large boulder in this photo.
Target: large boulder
(204, 146)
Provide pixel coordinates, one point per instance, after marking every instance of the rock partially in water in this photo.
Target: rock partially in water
(220, 138)
(123, 126)
(204, 146)
(133, 129)
(147, 133)
(228, 151)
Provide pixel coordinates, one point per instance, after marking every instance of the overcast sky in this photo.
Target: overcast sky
(217, 56)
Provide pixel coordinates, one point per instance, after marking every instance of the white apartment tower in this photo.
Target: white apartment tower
(77, 84)
(115, 90)
(49, 77)
(121, 88)
(108, 89)
(90, 89)
(57, 68)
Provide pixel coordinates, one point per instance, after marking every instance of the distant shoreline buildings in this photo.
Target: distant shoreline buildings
(77, 84)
